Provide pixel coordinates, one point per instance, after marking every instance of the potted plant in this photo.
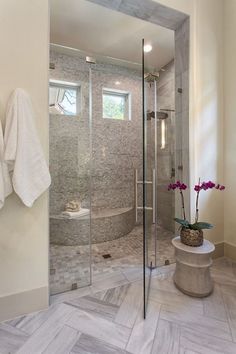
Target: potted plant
(191, 234)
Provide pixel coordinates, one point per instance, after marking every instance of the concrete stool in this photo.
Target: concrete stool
(192, 274)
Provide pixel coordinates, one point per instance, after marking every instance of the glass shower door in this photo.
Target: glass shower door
(70, 155)
(149, 172)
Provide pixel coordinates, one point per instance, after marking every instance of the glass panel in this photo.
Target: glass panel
(117, 239)
(166, 156)
(70, 143)
(164, 162)
(149, 171)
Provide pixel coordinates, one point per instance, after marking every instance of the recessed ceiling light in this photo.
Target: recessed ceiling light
(147, 48)
(117, 82)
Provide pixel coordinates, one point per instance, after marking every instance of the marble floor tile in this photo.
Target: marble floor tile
(93, 304)
(214, 305)
(133, 274)
(142, 336)
(110, 321)
(230, 303)
(223, 279)
(11, 339)
(166, 338)
(116, 296)
(68, 295)
(197, 322)
(165, 284)
(41, 338)
(99, 328)
(63, 342)
(186, 351)
(227, 288)
(204, 343)
(176, 302)
(90, 345)
(29, 324)
(130, 306)
(224, 265)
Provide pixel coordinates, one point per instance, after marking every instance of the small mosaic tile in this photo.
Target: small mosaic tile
(71, 264)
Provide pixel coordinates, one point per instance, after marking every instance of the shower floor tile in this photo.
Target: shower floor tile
(70, 265)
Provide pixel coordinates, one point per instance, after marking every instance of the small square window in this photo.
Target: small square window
(116, 104)
(63, 98)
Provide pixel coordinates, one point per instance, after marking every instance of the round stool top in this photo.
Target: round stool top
(207, 246)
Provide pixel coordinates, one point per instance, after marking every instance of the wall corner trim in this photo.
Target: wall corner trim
(230, 251)
(219, 250)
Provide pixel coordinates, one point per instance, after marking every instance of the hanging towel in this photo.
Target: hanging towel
(23, 151)
(5, 181)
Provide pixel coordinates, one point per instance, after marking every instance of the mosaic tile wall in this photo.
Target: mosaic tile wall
(165, 96)
(117, 145)
(166, 156)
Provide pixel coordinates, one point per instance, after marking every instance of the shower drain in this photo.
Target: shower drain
(74, 286)
(106, 255)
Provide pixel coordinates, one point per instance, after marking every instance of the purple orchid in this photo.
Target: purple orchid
(177, 185)
(198, 187)
(210, 184)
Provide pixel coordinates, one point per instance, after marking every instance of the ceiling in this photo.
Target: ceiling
(97, 30)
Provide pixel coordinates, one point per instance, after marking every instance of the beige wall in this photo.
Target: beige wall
(207, 110)
(230, 119)
(24, 63)
(206, 104)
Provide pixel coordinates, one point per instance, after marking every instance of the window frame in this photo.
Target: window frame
(71, 86)
(117, 93)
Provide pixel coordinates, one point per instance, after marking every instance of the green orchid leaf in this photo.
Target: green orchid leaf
(201, 226)
(182, 222)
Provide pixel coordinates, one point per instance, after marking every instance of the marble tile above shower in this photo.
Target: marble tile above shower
(182, 47)
(147, 11)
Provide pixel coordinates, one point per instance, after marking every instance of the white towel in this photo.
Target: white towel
(23, 150)
(76, 214)
(5, 181)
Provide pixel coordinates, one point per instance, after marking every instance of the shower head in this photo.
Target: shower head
(159, 115)
(162, 115)
(151, 77)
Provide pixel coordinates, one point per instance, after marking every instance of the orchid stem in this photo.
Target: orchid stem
(183, 207)
(197, 201)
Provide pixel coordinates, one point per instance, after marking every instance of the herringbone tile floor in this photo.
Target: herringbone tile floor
(110, 321)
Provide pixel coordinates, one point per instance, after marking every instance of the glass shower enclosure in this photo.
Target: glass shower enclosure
(149, 105)
(106, 134)
(70, 167)
(159, 165)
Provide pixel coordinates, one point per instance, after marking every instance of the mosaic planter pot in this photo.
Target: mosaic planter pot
(193, 238)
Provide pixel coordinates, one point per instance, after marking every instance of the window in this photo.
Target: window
(63, 98)
(116, 104)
